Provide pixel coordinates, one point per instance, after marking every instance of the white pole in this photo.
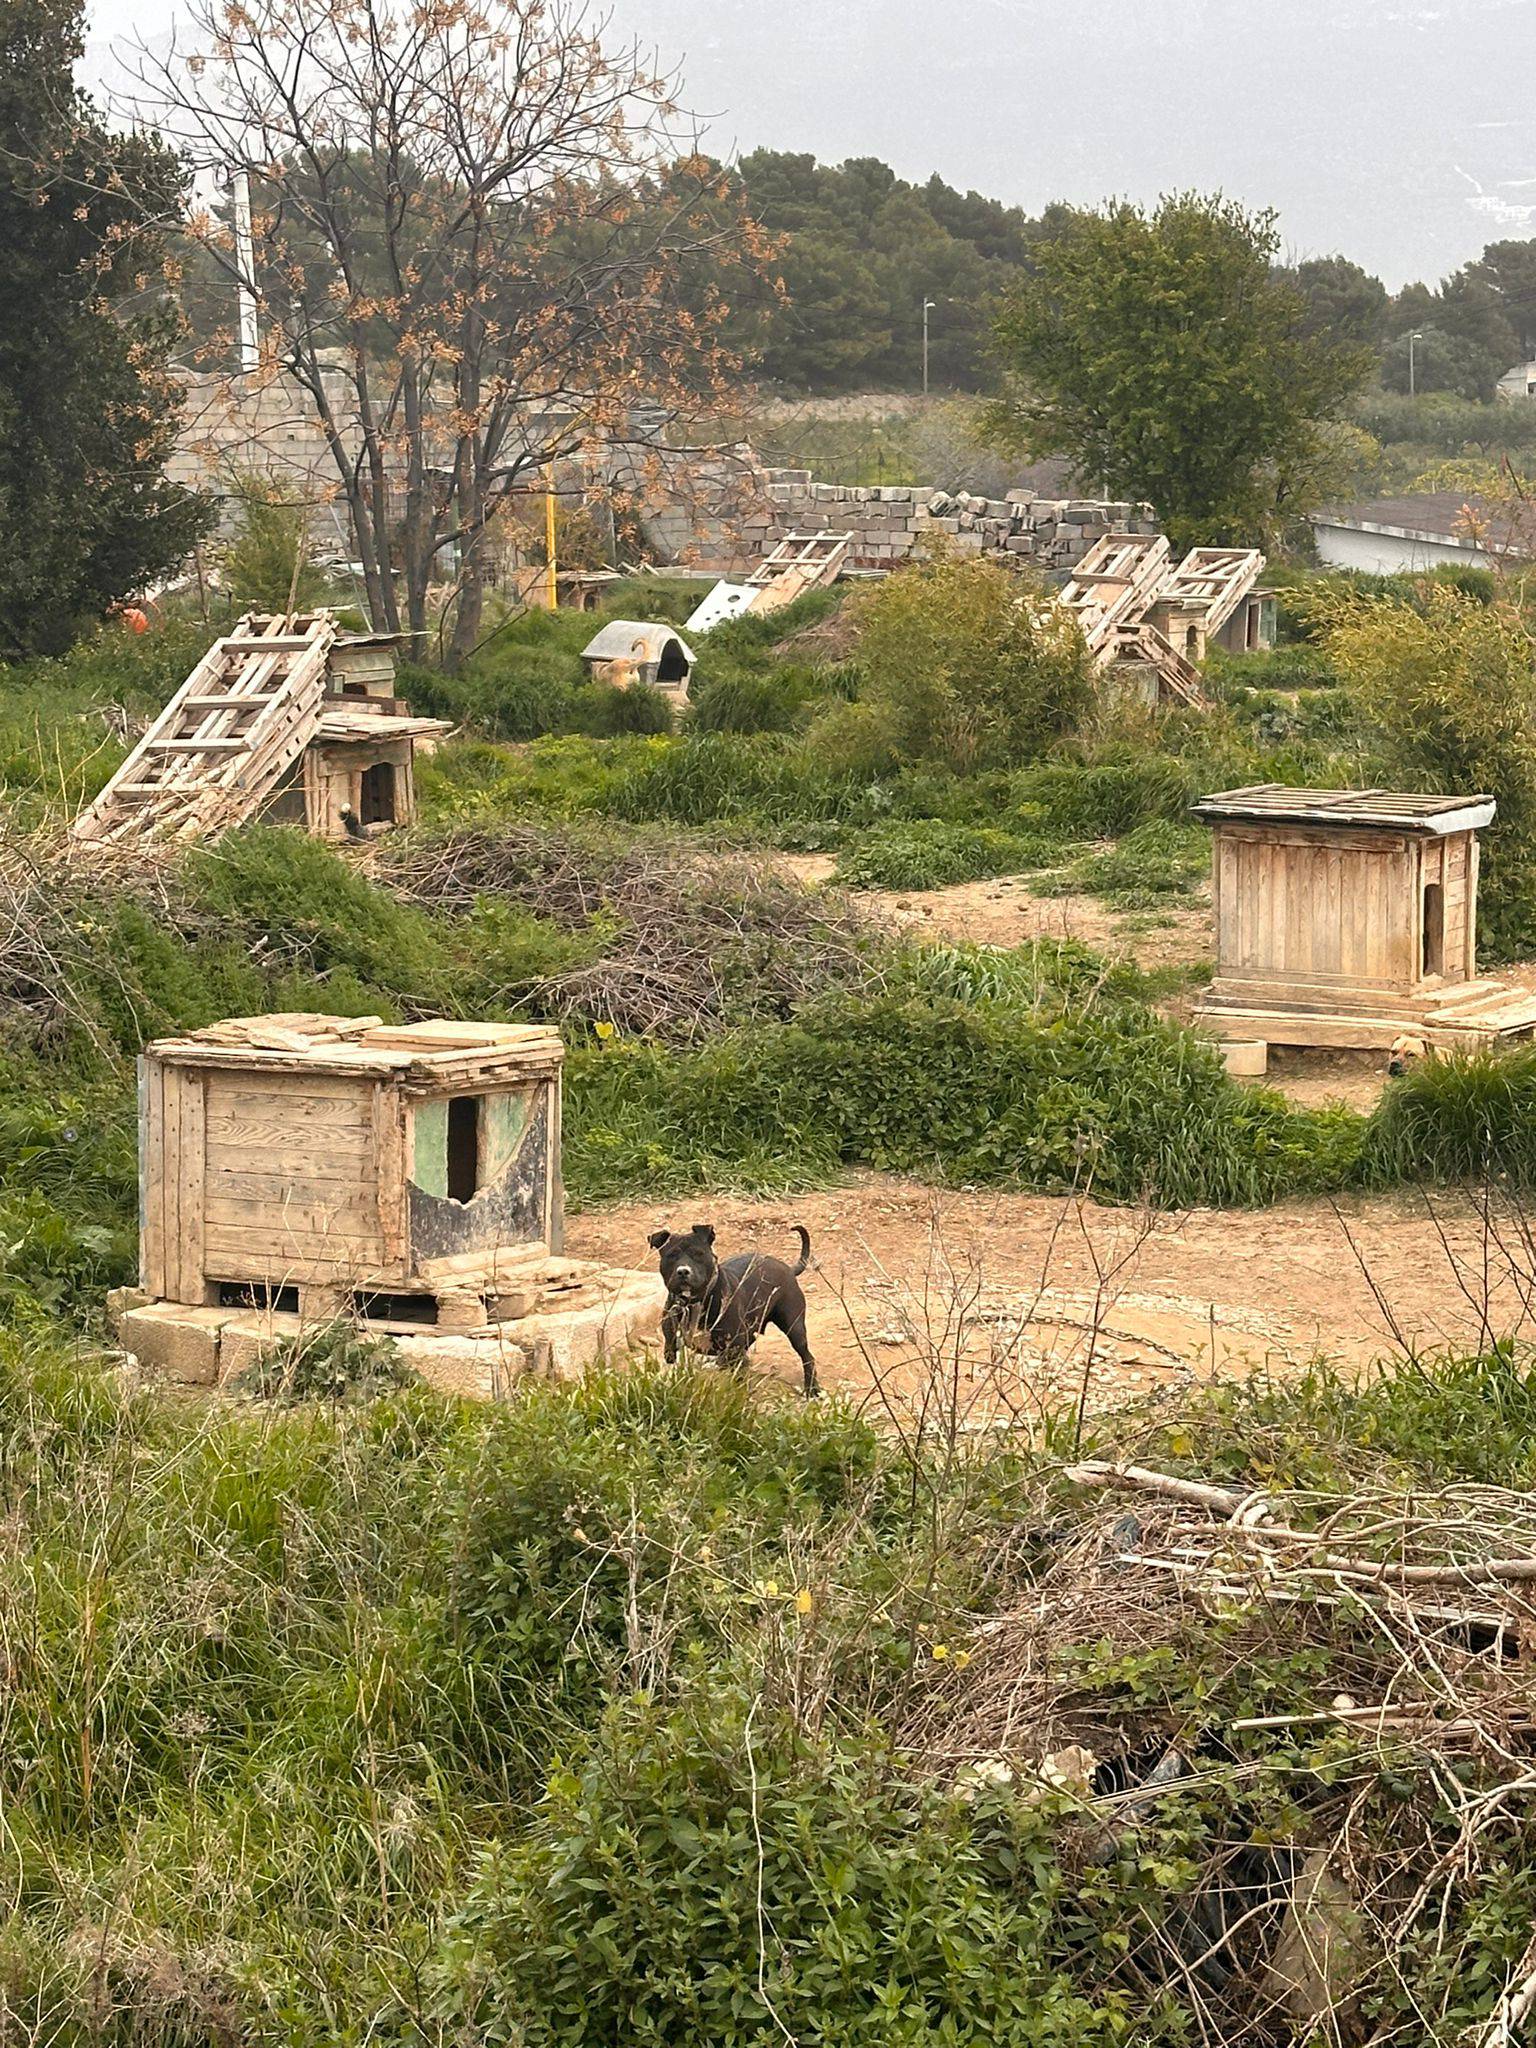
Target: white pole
(928, 306)
(245, 268)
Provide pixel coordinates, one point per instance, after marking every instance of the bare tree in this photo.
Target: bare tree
(480, 243)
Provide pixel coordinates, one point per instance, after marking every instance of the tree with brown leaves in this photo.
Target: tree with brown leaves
(476, 249)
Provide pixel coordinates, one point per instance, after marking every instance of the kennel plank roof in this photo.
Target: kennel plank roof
(434, 1052)
(340, 724)
(1273, 803)
(1213, 581)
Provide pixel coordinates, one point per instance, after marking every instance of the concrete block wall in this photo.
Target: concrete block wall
(731, 524)
(891, 522)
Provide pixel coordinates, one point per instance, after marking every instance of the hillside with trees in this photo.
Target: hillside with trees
(859, 249)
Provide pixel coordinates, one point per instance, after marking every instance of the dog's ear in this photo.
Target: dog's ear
(657, 1239)
(704, 1230)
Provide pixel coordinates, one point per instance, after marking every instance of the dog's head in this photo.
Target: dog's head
(687, 1260)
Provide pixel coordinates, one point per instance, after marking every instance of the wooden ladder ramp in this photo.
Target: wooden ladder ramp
(222, 745)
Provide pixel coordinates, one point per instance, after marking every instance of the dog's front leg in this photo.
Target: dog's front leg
(671, 1326)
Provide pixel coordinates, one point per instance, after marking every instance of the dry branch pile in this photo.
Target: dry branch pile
(51, 943)
(686, 943)
(1342, 1687)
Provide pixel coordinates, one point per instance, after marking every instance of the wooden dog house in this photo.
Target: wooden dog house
(325, 1165)
(1345, 917)
(287, 719)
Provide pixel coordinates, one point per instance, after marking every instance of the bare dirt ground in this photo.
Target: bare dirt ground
(1015, 1299)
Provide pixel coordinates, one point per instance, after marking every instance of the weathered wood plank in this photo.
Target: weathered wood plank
(152, 1260)
(189, 1170)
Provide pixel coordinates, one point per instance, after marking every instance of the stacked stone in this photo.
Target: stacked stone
(891, 522)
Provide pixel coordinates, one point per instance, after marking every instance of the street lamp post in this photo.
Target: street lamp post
(1413, 381)
(929, 306)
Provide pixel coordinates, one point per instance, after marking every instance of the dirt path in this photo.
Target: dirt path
(1003, 912)
(1019, 1296)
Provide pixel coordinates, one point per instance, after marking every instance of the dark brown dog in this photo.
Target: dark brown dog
(723, 1307)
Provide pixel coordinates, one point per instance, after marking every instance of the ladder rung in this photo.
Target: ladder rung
(189, 746)
(228, 703)
(275, 643)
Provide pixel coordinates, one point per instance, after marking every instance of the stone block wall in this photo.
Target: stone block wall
(742, 511)
(891, 522)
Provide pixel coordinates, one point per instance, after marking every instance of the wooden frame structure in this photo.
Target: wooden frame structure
(1345, 917)
(286, 718)
(325, 1165)
(797, 563)
(1150, 621)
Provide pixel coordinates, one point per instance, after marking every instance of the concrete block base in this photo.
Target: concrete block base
(582, 1315)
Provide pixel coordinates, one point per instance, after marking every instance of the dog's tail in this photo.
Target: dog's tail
(805, 1248)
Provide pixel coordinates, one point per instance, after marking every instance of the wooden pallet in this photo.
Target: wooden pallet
(1177, 676)
(226, 739)
(800, 562)
(1113, 585)
(1213, 582)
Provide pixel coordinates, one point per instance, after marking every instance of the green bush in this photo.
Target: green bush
(1461, 1119)
(303, 896)
(1302, 666)
(1102, 800)
(604, 711)
(746, 701)
(898, 1911)
(1109, 1097)
(966, 665)
(517, 697)
(1156, 861)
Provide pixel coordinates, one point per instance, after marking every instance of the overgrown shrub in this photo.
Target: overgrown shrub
(1109, 1097)
(1301, 666)
(1103, 799)
(1448, 684)
(965, 664)
(780, 700)
(898, 1910)
(1459, 1119)
(1156, 861)
(266, 564)
(336, 1361)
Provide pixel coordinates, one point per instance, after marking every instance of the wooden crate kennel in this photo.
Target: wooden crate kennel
(325, 1165)
(1346, 917)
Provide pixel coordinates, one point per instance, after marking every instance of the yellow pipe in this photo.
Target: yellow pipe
(552, 587)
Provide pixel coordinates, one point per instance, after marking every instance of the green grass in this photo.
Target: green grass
(931, 854)
(1155, 863)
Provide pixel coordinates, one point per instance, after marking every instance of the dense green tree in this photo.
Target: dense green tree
(1342, 300)
(1165, 358)
(87, 410)
(859, 251)
(1509, 271)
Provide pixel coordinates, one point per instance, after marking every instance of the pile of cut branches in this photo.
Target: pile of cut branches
(1320, 1709)
(51, 933)
(688, 941)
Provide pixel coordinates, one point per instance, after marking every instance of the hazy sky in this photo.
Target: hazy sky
(1402, 133)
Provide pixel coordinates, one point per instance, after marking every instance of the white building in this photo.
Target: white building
(1520, 382)
(1391, 536)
